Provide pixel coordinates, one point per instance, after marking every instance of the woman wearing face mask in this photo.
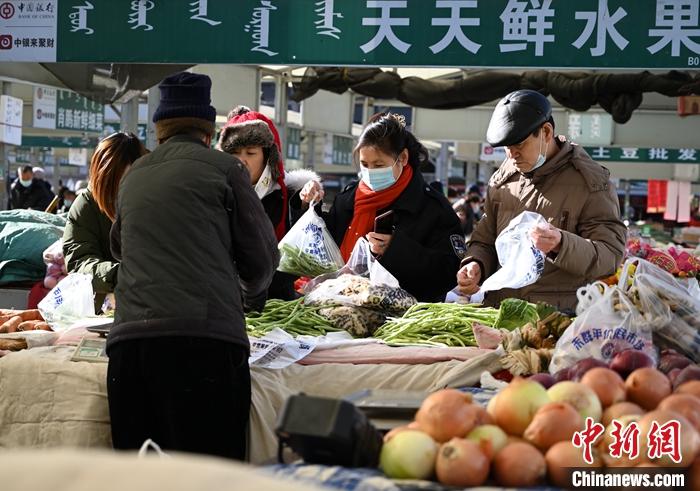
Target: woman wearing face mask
(425, 243)
(253, 138)
(86, 237)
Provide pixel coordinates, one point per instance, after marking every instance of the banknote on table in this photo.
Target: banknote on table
(92, 350)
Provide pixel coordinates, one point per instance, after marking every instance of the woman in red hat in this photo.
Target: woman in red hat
(253, 138)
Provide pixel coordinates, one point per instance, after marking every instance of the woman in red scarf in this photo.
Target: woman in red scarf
(425, 243)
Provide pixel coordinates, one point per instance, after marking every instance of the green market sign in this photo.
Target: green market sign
(645, 155)
(58, 142)
(662, 34)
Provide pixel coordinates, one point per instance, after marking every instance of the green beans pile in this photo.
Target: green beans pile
(294, 317)
(295, 261)
(437, 324)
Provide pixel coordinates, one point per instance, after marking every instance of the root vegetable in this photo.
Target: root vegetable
(647, 387)
(607, 384)
(11, 325)
(519, 465)
(409, 455)
(461, 463)
(554, 422)
(686, 405)
(630, 360)
(670, 360)
(447, 414)
(517, 405)
(562, 375)
(544, 379)
(561, 458)
(620, 409)
(495, 436)
(580, 396)
(692, 387)
(691, 372)
(582, 367)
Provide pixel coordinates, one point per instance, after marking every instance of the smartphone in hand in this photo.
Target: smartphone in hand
(384, 223)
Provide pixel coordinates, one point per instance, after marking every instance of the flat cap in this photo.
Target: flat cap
(516, 116)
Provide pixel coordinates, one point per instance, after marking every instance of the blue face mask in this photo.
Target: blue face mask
(379, 179)
(542, 157)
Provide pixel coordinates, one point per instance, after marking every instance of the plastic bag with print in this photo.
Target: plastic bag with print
(610, 324)
(308, 249)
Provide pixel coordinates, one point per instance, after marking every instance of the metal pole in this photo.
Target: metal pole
(4, 154)
(153, 101)
(130, 115)
(281, 111)
(442, 164)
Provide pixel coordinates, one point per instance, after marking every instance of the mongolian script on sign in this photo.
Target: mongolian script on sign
(199, 11)
(325, 24)
(139, 13)
(259, 26)
(78, 19)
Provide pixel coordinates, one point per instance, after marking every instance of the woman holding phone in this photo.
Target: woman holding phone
(411, 228)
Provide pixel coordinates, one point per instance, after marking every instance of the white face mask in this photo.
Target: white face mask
(265, 184)
(25, 183)
(542, 157)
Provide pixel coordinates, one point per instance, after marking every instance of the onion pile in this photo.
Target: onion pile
(526, 431)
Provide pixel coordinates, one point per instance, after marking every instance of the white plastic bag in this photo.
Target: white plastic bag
(521, 262)
(308, 249)
(609, 325)
(71, 300)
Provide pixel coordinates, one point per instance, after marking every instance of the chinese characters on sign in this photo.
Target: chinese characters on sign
(28, 30)
(645, 155)
(75, 112)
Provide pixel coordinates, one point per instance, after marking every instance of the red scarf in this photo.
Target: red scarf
(367, 204)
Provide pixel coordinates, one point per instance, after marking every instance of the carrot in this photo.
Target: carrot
(28, 325)
(11, 325)
(26, 315)
(30, 315)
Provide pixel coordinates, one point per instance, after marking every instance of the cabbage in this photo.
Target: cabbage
(515, 313)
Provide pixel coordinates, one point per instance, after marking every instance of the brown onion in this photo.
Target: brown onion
(607, 384)
(686, 405)
(694, 475)
(482, 417)
(519, 465)
(692, 388)
(647, 387)
(517, 404)
(620, 409)
(554, 422)
(462, 463)
(446, 414)
(562, 457)
(690, 440)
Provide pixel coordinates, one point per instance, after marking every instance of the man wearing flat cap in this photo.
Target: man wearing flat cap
(196, 250)
(544, 173)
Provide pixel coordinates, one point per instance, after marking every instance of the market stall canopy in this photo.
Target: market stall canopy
(105, 83)
(619, 94)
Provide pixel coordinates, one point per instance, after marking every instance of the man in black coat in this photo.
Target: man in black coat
(27, 192)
